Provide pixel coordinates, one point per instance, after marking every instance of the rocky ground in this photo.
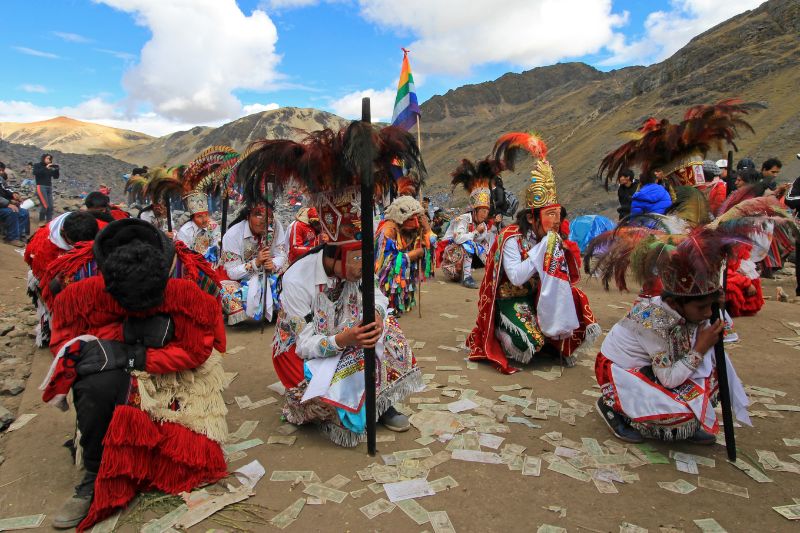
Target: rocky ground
(37, 474)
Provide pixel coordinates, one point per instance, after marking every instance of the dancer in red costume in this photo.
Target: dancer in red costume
(528, 300)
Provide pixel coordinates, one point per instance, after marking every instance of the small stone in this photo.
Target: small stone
(12, 386)
(5, 418)
(5, 329)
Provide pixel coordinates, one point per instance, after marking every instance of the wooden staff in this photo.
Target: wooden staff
(722, 372)
(422, 261)
(368, 275)
(167, 202)
(268, 200)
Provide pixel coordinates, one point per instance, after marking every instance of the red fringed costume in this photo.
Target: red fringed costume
(140, 453)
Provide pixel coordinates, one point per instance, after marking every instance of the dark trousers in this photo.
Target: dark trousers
(16, 223)
(96, 397)
(45, 195)
(797, 266)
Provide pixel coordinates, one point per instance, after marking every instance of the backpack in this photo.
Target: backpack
(512, 204)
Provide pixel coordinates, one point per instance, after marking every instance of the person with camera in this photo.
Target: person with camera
(45, 171)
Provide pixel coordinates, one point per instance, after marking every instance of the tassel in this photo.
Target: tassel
(131, 427)
(109, 495)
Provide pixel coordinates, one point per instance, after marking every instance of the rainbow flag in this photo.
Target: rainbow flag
(406, 106)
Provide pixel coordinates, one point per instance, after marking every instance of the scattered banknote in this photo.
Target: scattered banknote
(326, 493)
(244, 431)
(449, 368)
(165, 523)
(653, 457)
(377, 507)
(337, 482)
(427, 358)
(20, 421)
(288, 440)
(277, 387)
(462, 330)
(769, 460)
(358, 493)
(229, 377)
(547, 528)
(490, 441)
(407, 490)
(447, 315)
(532, 466)
(417, 453)
(523, 421)
(377, 488)
(687, 467)
(262, 403)
(241, 446)
(243, 401)
(795, 408)
(751, 471)
(548, 376)
(200, 512)
(592, 393)
(680, 486)
(699, 459)
(709, 525)
(441, 522)
(435, 399)
(385, 474)
(472, 365)
(765, 391)
(234, 350)
(514, 400)
(506, 388)
(21, 522)
(461, 405)
(286, 429)
(418, 345)
(604, 486)
(283, 519)
(787, 442)
(293, 475)
(721, 486)
(476, 456)
(108, 525)
(443, 483)
(568, 470)
(424, 441)
(591, 446)
(561, 511)
(792, 512)
(449, 348)
(435, 460)
(414, 511)
(627, 527)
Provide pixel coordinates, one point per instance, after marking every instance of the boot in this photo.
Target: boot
(702, 437)
(469, 283)
(76, 508)
(394, 420)
(616, 424)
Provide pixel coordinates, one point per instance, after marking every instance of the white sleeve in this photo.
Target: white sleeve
(235, 266)
(460, 233)
(279, 249)
(298, 308)
(555, 309)
(669, 373)
(518, 270)
(186, 235)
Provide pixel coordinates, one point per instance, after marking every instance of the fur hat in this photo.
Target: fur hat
(403, 208)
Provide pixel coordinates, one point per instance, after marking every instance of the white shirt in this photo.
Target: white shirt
(197, 238)
(459, 231)
(240, 248)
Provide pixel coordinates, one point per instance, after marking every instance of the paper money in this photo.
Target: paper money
(428, 359)
(751, 471)
(792, 512)
(377, 488)
(441, 522)
(418, 345)
(765, 391)
(604, 486)
(443, 483)
(418, 453)
(506, 388)
(241, 446)
(106, 526)
(476, 456)
(262, 403)
(435, 460)
(337, 482)
(326, 493)
(200, 512)
(547, 528)
(568, 416)
(513, 400)
(277, 387)
(490, 441)
(653, 457)
(568, 470)
(244, 430)
(243, 401)
(592, 446)
(448, 348)
(709, 525)
(532, 466)
(358, 493)
(562, 511)
(523, 421)
(592, 393)
(293, 475)
(283, 519)
(22, 522)
(515, 449)
(686, 457)
(449, 368)
(780, 407)
(787, 442)
(447, 315)
(688, 466)
(286, 429)
(424, 441)
(281, 439)
(414, 511)
(461, 406)
(377, 507)
(20, 421)
(472, 366)
(385, 474)
(627, 527)
(409, 489)
(435, 399)
(769, 460)
(721, 486)
(680, 486)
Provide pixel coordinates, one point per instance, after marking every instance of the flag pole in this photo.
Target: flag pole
(422, 260)
(368, 276)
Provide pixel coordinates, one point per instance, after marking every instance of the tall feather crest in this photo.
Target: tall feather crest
(691, 205)
(508, 147)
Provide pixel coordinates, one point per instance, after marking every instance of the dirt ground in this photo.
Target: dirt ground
(37, 474)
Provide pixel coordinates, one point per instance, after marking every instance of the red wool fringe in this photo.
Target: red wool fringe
(66, 266)
(180, 460)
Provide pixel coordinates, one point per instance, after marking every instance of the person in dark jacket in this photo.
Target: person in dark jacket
(497, 197)
(45, 172)
(793, 201)
(12, 215)
(627, 187)
(651, 197)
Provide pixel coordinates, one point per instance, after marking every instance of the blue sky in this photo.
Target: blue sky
(163, 65)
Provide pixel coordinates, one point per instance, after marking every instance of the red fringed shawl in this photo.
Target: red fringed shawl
(41, 252)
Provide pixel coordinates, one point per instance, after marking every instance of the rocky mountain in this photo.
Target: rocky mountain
(579, 110)
(70, 135)
(180, 147)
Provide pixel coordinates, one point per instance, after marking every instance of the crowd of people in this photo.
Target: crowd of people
(135, 310)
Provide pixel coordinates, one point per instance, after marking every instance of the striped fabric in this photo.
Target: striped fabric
(406, 106)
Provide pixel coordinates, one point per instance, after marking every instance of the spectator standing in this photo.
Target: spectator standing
(651, 197)
(45, 172)
(498, 197)
(13, 217)
(769, 172)
(627, 188)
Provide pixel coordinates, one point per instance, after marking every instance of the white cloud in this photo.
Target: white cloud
(290, 4)
(452, 36)
(71, 37)
(381, 104)
(33, 52)
(200, 52)
(666, 32)
(258, 108)
(126, 56)
(33, 88)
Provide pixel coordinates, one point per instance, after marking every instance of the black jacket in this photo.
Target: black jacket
(498, 201)
(44, 176)
(6, 194)
(625, 195)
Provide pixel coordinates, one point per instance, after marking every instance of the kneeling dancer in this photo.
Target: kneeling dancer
(134, 345)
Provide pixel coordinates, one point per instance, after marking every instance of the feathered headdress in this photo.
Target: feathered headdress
(541, 191)
(329, 166)
(659, 144)
(136, 189)
(474, 177)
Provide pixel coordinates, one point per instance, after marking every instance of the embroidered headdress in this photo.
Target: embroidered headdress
(541, 191)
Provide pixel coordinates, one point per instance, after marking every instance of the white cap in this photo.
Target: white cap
(722, 163)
